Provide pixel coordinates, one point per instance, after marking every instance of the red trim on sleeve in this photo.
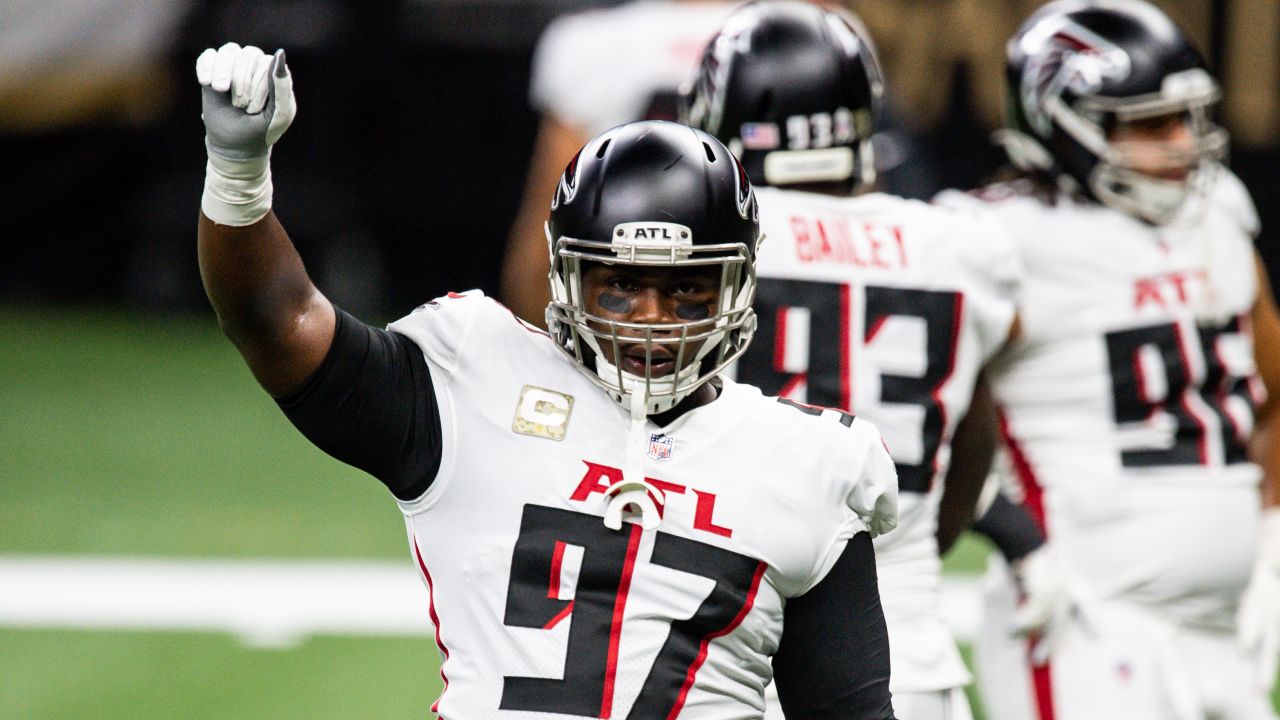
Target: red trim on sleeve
(1042, 686)
(1033, 493)
(435, 620)
(1033, 499)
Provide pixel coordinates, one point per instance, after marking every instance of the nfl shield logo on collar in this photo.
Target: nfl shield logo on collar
(660, 446)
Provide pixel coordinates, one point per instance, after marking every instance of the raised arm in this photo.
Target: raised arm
(265, 302)
(363, 395)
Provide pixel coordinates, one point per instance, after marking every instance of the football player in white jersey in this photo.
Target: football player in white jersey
(605, 527)
(1148, 339)
(883, 306)
(593, 70)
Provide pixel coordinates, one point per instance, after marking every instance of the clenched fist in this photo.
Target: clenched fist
(247, 105)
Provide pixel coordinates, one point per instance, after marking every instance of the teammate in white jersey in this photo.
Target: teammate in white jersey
(593, 70)
(868, 302)
(604, 526)
(1127, 402)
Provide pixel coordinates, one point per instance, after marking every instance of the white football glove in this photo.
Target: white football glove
(247, 105)
(1258, 619)
(1050, 599)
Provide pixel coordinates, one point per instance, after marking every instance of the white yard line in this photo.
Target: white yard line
(265, 603)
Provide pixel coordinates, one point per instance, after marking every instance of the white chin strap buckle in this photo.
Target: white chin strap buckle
(629, 498)
(631, 495)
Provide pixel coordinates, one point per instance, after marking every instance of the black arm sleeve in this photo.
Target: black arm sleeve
(1011, 528)
(834, 658)
(370, 404)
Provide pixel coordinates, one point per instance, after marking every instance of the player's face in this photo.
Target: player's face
(1162, 147)
(651, 296)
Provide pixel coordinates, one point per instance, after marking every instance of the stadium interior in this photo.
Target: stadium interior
(169, 545)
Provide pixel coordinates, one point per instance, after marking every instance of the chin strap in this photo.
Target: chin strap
(633, 496)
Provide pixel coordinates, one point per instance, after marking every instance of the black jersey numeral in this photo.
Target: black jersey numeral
(940, 312)
(829, 374)
(595, 611)
(1163, 371)
(737, 579)
(846, 419)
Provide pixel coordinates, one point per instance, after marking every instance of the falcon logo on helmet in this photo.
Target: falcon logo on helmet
(1078, 60)
(706, 102)
(747, 207)
(568, 186)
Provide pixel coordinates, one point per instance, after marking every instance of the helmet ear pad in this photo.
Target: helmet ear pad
(1076, 71)
(653, 195)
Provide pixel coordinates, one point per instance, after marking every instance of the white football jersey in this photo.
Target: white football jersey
(602, 68)
(1129, 396)
(887, 307)
(539, 608)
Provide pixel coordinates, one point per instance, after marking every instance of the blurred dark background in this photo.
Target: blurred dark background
(400, 178)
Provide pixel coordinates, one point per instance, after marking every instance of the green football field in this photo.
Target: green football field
(133, 435)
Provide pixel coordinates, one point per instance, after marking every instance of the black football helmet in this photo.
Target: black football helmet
(793, 89)
(657, 194)
(1077, 70)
